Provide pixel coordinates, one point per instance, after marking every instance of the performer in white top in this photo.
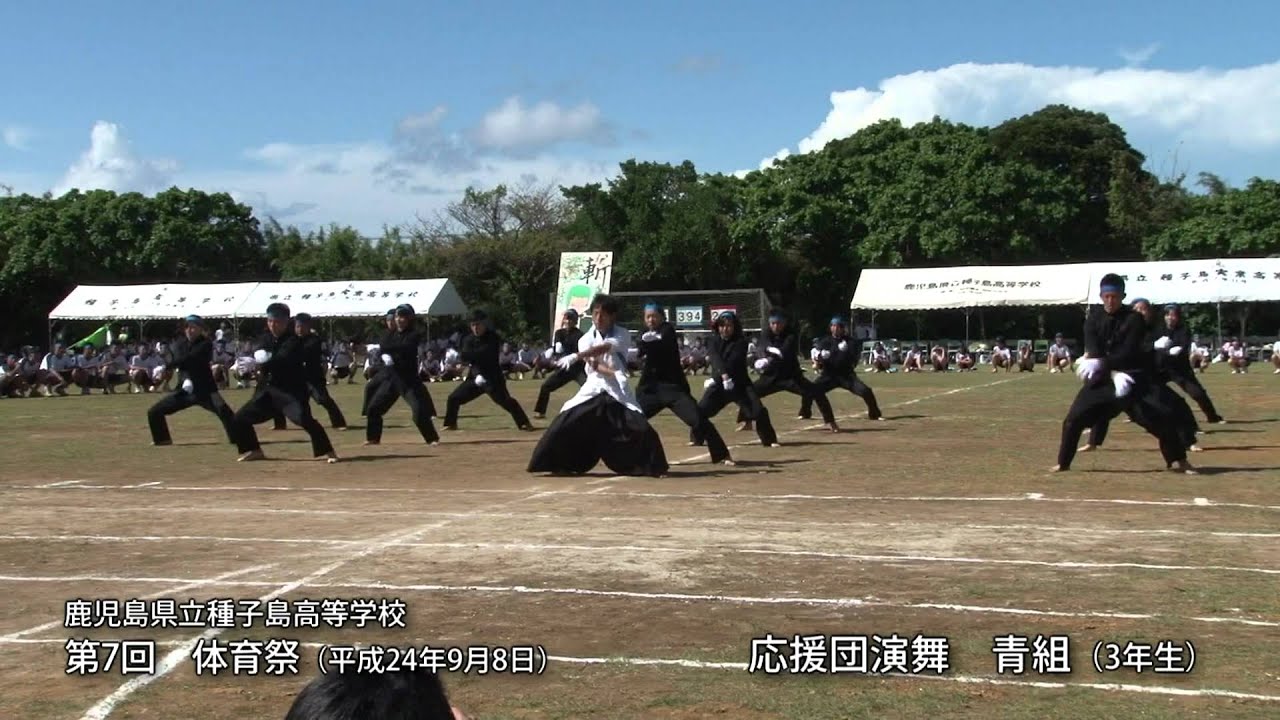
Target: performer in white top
(603, 421)
(1059, 355)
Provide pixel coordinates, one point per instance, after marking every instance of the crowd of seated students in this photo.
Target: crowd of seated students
(143, 367)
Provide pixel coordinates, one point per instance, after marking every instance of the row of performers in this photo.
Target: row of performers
(290, 368)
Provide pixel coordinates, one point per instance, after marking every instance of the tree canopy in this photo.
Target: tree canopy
(1058, 185)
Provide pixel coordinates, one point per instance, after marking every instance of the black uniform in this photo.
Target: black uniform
(400, 379)
(566, 342)
(1178, 369)
(1158, 393)
(282, 391)
(837, 370)
(664, 386)
(783, 373)
(375, 381)
(191, 359)
(1117, 340)
(317, 383)
(482, 351)
(729, 357)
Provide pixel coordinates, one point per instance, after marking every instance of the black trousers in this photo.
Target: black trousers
(554, 382)
(1192, 387)
(1097, 402)
(1168, 402)
(716, 398)
(655, 397)
(371, 388)
(176, 402)
(319, 392)
(600, 429)
(495, 388)
(267, 402)
(767, 385)
(414, 394)
(824, 384)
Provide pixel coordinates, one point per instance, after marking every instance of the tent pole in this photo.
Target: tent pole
(1219, 342)
(967, 312)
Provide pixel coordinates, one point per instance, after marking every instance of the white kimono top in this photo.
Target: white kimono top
(615, 386)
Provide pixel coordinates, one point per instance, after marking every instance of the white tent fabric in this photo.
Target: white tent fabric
(965, 287)
(360, 298)
(1195, 281)
(1182, 281)
(357, 298)
(149, 302)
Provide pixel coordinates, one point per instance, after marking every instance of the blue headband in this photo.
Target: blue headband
(837, 320)
(1135, 301)
(777, 318)
(1111, 288)
(653, 306)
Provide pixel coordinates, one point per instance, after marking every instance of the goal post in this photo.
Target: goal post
(694, 311)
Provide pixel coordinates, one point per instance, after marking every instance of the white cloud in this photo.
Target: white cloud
(16, 137)
(1141, 55)
(515, 126)
(1232, 108)
(110, 164)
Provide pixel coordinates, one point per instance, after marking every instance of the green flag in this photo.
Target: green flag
(97, 339)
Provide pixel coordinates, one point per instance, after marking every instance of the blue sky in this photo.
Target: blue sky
(373, 113)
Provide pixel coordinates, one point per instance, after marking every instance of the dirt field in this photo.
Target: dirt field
(646, 594)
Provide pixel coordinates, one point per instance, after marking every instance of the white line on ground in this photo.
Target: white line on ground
(742, 667)
(192, 585)
(104, 707)
(856, 557)
(735, 522)
(684, 597)
(728, 495)
(931, 396)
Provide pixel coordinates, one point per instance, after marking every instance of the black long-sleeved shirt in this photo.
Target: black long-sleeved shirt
(312, 348)
(729, 357)
(1117, 340)
(788, 343)
(402, 346)
(193, 359)
(482, 352)
(661, 358)
(841, 363)
(566, 342)
(1179, 364)
(284, 370)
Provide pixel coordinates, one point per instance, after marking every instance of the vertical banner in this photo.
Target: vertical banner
(582, 275)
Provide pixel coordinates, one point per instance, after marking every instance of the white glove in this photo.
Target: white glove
(559, 348)
(1122, 383)
(1163, 343)
(843, 346)
(775, 351)
(762, 363)
(710, 382)
(728, 383)
(480, 381)
(188, 386)
(566, 362)
(261, 356)
(825, 354)
(1086, 368)
(550, 353)
(650, 336)
(814, 354)
(387, 360)
(1175, 350)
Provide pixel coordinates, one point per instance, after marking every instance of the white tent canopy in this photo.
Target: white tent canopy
(1181, 281)
(356, 298)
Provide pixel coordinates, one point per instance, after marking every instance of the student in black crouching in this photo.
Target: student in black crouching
(399, 355)
(565, 342)
(729, 382)
(281, 391)
(480, 350)
(192, 356)
(779, 369)
(836, 358)
(313, 365)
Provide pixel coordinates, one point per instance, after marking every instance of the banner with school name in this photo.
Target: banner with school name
(582, 276)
